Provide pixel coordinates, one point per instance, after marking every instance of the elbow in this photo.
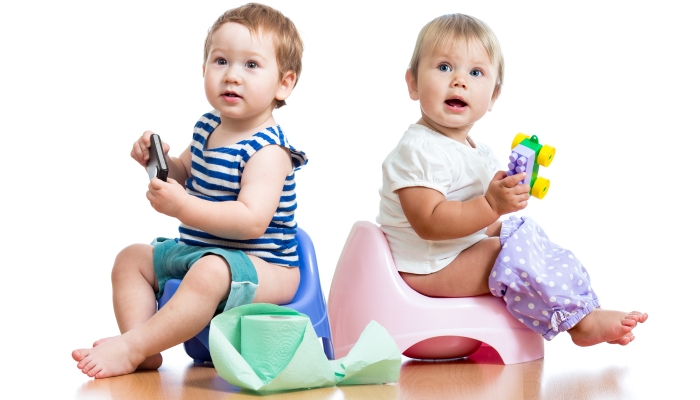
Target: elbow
(256, 229)
(425, 233)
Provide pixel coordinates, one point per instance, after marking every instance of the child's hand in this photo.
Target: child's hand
(505, 195)
(167, 198)
(139, 151)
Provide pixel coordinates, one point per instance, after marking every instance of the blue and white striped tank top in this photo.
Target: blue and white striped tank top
(216, 176)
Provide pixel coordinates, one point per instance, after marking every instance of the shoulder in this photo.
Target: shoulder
(276, 136)
(420, 146)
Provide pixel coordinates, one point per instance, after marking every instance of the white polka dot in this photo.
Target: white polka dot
(515, 235)
(518, 248)
(589, 288)
(528, 242)
(564, 287)
(551, 283)
(492, 290)
(522, 261)
(524, 274)
(571, 256)
(517, 298)
(527, 283)
(544, 312)
(538, 279)
(565, 265)
(567, 301)
(535, 322)
(493, 274)
(517, 311)
(531, 295)
(549, 256)
(521, 320)
(572, 292)
(544, 275)
(556, 259)
(550, 267)
(508, 271)
(505, 245)
(512, 285)
(530, 306)
(585, 275)
(538, 292)
(506, 259)
(558, 273)
(571, 277)
(580, 282)
(552, 299)
(505, 299)
(523, 230)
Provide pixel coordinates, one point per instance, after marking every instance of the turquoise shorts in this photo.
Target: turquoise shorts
(172, 260)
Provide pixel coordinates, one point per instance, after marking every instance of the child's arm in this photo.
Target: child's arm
(178, 168)
(435, 218)
(247, 218)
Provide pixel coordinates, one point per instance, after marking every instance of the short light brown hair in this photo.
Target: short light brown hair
(447, 29)
(259, 18)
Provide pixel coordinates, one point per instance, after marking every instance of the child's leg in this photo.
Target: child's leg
(467, 275)
(191, 308)
(548, 289)
(204, 287)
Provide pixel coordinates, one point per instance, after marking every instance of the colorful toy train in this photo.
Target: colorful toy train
(527, 156)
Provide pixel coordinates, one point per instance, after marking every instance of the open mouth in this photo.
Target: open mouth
(231, 95)
(455, 103)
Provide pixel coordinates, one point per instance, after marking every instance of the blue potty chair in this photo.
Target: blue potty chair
(308, 300)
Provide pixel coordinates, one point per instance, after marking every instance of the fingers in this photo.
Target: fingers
(513, 180)
(499, 175)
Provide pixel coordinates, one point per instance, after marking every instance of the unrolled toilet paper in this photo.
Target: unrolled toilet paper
(266, 348)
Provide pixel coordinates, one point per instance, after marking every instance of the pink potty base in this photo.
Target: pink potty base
(366, 286)
(443, 348)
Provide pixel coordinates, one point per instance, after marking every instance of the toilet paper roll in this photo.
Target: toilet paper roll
(268, 342)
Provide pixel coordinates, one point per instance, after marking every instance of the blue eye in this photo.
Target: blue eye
(220, 61)
(444, 68)
(476, 72)
(251, 64)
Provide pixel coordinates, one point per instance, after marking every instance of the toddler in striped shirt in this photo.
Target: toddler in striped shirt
(233, 191)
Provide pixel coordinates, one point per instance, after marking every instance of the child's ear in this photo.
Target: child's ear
(412, 85)
(494, 97)
(286, 85)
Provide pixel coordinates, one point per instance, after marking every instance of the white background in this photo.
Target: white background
(613, 86)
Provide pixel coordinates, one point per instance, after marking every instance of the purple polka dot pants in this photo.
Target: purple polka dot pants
(544, 286)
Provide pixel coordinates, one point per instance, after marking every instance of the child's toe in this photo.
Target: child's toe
(79, 354)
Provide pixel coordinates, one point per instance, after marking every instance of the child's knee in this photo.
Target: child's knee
(134, 258)
(211, 272)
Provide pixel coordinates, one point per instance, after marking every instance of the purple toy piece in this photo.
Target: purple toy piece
(521, 160)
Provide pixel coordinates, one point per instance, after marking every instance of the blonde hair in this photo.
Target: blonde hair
(449, 28)
(259, 18)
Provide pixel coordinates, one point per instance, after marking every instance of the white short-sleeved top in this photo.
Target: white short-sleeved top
(427, 158)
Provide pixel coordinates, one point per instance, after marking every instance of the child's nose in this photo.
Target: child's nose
(459, 81)
(232, 76)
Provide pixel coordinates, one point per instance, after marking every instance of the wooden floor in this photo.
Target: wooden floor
(566, 372)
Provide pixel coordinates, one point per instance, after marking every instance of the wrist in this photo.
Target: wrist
(490, 209)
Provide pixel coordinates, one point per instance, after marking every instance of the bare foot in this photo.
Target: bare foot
(110, 358)
(151, 362)
(609, 326)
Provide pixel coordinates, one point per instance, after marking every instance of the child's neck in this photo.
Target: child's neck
(461, 135)
(232, 130)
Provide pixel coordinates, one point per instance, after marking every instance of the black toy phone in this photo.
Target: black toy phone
(157, 166)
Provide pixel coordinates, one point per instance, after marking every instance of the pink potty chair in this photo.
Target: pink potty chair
(366, 286)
